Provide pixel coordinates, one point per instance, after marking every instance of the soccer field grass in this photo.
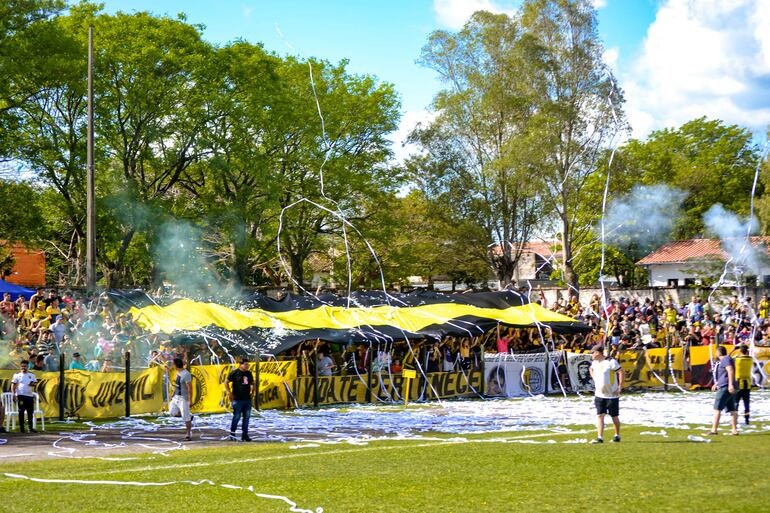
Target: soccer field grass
(511, 471)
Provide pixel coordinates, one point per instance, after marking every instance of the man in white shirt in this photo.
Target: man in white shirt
(180, 400)
(608, 382)
(23, 390)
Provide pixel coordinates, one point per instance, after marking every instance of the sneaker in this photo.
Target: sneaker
(712, 433)
(616, 438)
(2, 429)
(32, 430)
(597, 441)
(246, 438)
(231, 436)
(22, 430)
(187, 439)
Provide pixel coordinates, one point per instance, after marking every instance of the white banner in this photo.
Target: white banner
(578, 365)
(761, 373)
(515, 375)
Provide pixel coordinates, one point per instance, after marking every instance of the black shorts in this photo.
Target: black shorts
(604, 405)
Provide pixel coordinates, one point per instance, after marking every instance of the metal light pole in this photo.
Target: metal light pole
(90, 200)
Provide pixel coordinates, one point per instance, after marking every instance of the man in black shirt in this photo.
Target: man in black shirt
(241, 390)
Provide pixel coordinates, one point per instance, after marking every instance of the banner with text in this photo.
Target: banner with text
(94, 395)
(209, 385)
(388, 387)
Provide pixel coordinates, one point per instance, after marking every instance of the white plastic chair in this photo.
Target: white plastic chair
(11, 411)
(37, 411)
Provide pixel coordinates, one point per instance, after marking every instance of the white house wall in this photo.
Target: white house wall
(660, 274)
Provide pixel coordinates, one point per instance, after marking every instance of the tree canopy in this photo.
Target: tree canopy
(231, 164)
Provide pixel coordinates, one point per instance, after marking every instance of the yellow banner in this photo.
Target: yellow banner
(352, 389)
(94, 395)
(209, 384)
(644, 369)
(701, 355)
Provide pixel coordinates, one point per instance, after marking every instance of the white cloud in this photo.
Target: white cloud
(611, 57)
(247, 10)
(409, 121)
(707, 58)
(454, 13)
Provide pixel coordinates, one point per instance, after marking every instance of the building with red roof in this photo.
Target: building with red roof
(690, 262)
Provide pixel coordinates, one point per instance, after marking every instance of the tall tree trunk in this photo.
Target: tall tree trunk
(239, 266)
(297, 272)
(120, 261)
(570, 278)
(503, 265)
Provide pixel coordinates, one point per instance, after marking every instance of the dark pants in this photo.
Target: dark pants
(241, 407)
(745, 396)
(26, 405)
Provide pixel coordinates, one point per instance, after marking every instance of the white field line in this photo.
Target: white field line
(451, 441)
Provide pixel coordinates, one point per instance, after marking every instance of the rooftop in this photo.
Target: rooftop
(679, 251)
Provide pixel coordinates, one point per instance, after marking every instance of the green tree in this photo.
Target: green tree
(48, 132)
(414, 236)
(579, 108)
(478, 152)
(21, 220)
(711, 161)
(21, 64)
(17, 18)
(233, 183)
(151, 110)
(763, 200)
(338, 164)
(617, 264)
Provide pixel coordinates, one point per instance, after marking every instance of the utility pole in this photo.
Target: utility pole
(90, 200)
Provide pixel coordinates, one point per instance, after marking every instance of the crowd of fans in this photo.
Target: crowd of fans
(94, 335)
(631, 323)
(91, 333)
(623, 323)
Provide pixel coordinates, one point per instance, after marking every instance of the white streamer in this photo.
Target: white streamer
(292, 505)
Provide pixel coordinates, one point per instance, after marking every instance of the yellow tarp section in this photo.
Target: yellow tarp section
(190, 315)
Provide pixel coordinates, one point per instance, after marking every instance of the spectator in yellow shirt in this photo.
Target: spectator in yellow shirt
(764, 307)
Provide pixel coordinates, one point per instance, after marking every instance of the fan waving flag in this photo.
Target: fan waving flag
(272, 325)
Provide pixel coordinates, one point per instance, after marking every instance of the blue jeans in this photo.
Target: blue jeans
(241, 407)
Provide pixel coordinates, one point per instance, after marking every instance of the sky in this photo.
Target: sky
(676, 60)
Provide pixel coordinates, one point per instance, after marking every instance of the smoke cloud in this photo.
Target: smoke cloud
(180, 260)
(642, 219)
(732, 231)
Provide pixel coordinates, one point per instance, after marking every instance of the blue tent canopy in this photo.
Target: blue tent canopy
(14, 290)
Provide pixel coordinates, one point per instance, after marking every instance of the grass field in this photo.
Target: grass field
(475, 473)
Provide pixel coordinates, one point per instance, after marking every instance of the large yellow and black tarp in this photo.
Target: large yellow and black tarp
(276, 325)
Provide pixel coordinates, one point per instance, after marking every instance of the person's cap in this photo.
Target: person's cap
(76, 355)
(598, 348)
